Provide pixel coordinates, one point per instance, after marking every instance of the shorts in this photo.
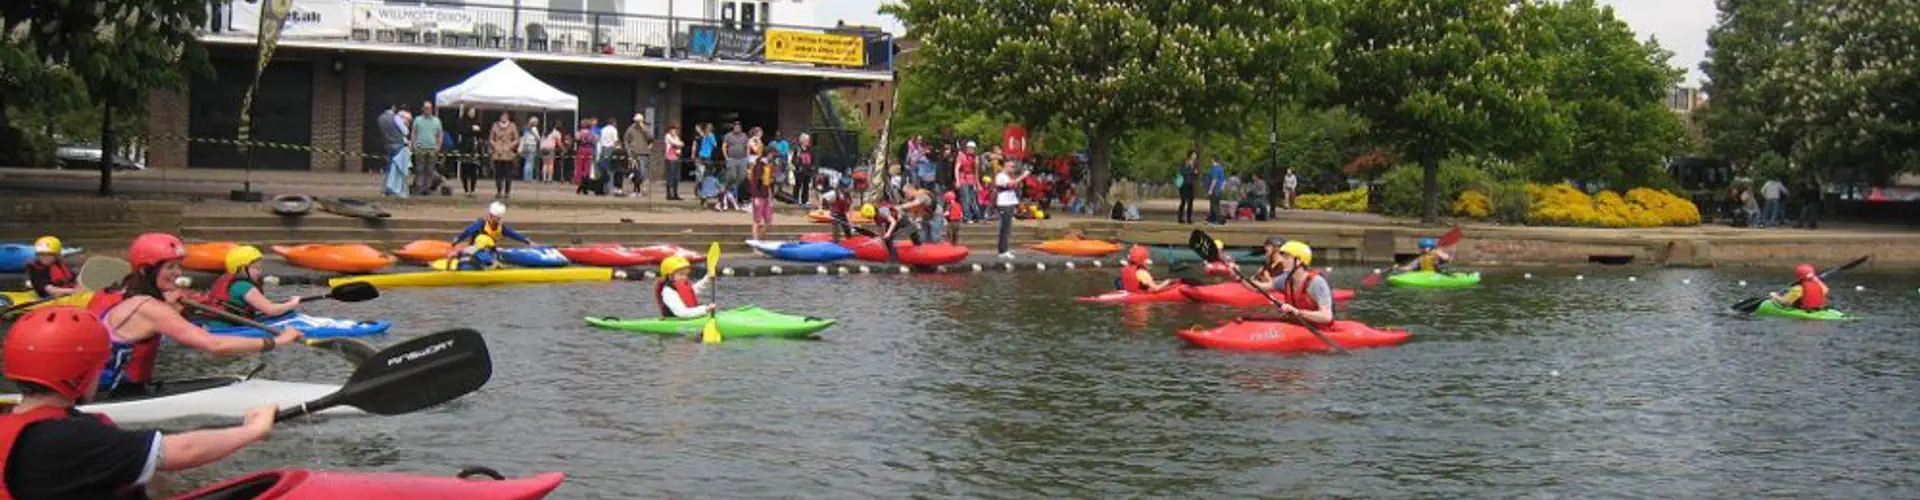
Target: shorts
(763, 210)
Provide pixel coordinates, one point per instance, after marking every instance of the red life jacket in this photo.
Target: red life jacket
(132, 362)
(57, 273)
(954, 212)
(681, 287)
(1813, 294)
(11, 425)
(841, 204)
(1130, 279)
(220, 295)
(1298, 297)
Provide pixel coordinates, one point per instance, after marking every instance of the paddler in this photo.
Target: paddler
(143, 307)
(839, 201)
(1271, 267)
(1807, 294)
(677, 292)
(46, 273)
(483, 254)
(49, 449)
(239, 289)
(1431, 258)
(493, 225)
(1135, 277)
(890, 219)
(1224, 266)
(1304, 294)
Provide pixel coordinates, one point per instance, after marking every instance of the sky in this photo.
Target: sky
(1680, 25)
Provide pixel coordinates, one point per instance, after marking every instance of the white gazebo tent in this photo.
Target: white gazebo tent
(506, 86)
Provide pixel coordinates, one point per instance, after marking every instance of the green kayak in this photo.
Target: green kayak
(1768, 308)
(749, 321)
(1430, 279)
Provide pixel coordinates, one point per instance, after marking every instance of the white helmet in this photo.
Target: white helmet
(497, 209)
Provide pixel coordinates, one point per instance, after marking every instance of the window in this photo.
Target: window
(747, 18)
(869, 112)
(883, 108)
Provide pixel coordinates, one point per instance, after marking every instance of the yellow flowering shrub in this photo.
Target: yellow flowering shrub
(1564, 205)
(1671, 210)
(1354, 200)
(1473, 203)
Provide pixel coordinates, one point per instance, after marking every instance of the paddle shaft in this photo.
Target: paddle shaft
(1752, 304)
(355, 352)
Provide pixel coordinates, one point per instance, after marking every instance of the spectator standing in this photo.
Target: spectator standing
(504, 144)
(709, 146)
(1750, 205)
(1216, 186)
(529, 148)
(399, 160)
(966, 178)
(1185, 178)
(760, 192)
(639, 153)
(803, 168)
(549, 148)
(1775, 194)
(1006, 186)
(918, 159)
(1808, 194)
(1288, 187)
(583, 144)
(612, 169)
(426, 149)
(672, 156)
(1230, 199)
(473, 146)
(1259, 198)
(736, 153)
(384, 124)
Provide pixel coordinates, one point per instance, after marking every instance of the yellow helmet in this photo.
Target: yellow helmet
(1299, 250)
(240, 257)
(47, 245)
(483, 241)
(986, 179)
(673, 265)
(1219, 244)
(868, 211)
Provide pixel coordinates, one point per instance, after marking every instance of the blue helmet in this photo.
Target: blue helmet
(1428, 243)
(846, 183)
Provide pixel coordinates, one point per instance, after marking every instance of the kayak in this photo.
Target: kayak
(351, 258)
(1175, 293)
(815, 237)
(801, 252)
(533, 257)
(1184, 255)
(1430, 279)
(10, 299)
(1770, 309)
(301, 484)
(1281, 336)
(210, 256)
(826, 217)
(1077, 247)
(477, 278)
(1238, 295)
(749, 321)
(424, 251)
(228, 397)
(314, 327)
(931, 254)
(616, 255)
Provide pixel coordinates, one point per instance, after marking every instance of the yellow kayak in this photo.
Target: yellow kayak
(479, 278)
(8, 299)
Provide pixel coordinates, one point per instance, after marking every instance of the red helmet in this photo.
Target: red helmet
(1138, 256)
(1804, 271)
(61, 348)
(152, 249)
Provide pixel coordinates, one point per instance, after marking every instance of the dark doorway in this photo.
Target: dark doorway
(721, 105)
(282, 113)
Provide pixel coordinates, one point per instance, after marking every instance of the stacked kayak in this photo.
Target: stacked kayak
(1238, 295)
(209, 257)
(930, 254)
(825, 217)
(1174, 293)
(749, 321)
(533, 257)
(1430, 279)
(615, 255)
(353, 258)
(1770, 309)
(801, 252)
(479, 278)
(228, 397)
(298, 484)
(424, 251)
(314, 327)
(1074, 247)
(15, 256)
(1282, 336)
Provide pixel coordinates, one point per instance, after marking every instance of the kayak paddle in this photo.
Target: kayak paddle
(410, 376)
(357, 291)
(1750, 305)
(711, 333)
(1203, 245)
(98, 273)
(1447, 240)
(355, 351)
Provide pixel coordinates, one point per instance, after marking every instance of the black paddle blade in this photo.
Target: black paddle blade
(412, 375)
(1202, 244)
(358, 291)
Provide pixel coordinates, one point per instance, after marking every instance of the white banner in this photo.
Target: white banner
(309, 18)
(379, 17)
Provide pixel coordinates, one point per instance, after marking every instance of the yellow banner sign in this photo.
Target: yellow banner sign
(819, 48)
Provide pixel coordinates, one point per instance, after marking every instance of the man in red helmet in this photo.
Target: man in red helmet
(141, 309)
(1809, 294)
(50, 450)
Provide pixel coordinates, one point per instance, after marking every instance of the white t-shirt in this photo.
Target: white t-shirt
(1290, 182)
(609, 137)
(1773, 190)
(1004, 194)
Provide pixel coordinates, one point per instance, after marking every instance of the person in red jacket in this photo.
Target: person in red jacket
(1809, 294)
(50, 450)
(1135, 276)
(955, 215)
(46, 273)
(1304, 294)
(678, 293)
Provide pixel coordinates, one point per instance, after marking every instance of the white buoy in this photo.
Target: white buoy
(183, 282)
(272, 280)
(976, 268)
(1329, 269)
(1743, 282)
(1631, 278)
(820, 270)
(1555, 373)
(650, 275)
(904, 270)
(1040, 266)
(1098, 263)
(619, 274)
(1578, 277)
(1069, 264)
(1378, 271)
(1686, 281)
(865, 270)
(1009, 267)
(774, 270)
(727, 272)
(1859, 288)
(1526, 276)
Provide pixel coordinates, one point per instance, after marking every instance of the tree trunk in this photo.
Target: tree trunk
(1431, 169)
(1100, 167)
(107, 146)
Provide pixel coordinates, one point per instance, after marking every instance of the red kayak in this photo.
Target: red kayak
(298, 484)
(1173, 293)
(931, 254)
(815, 237)
(615, 255)
(1280, 336)
(1238, 295)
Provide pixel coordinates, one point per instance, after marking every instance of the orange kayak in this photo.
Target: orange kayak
(424, 251)
(354, 259)
(1077, 247)
(825, 217)
(210, 256)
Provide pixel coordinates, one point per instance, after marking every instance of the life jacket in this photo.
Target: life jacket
(497, 231)
(130, 362)
(1130, 279)
(1429, 261)
(221, 295)
(11, 425)
(885, 214)
(58, 274)
(954, 211)
(1298, 297)
(841, 203)
(1813, 294)
(681, 287)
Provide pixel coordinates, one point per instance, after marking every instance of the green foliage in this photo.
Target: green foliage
(1608, 92)
(1402, 187)
(1510, 201)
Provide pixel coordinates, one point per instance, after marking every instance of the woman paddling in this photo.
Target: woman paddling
(677, 292)
(47, 274)
(239, 289)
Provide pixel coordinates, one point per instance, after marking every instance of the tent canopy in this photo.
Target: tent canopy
(506, 86)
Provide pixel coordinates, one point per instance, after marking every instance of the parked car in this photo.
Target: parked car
(81, 155)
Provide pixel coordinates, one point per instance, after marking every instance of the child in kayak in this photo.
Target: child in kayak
(1808, 294)
(1304, 294)
(49, 449)
(239, 291)
(1272, 266)
(677, 292)
(1135, 276)
(484, 254)
(49, 277)
(1431, 259)
(492, 225)
(1224, 266)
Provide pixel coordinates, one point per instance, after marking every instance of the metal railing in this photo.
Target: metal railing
(543, 30)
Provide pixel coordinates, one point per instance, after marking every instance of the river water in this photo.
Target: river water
(999, 386)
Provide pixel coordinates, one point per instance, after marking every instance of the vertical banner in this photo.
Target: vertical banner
(273, 17)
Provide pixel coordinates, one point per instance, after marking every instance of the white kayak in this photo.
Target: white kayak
(228, 397)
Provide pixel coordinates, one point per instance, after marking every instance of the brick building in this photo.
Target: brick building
(874, 100)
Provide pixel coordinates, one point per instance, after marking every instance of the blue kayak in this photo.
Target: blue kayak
(802, 252)
(533, 257)
(313, 326)
(15, 256)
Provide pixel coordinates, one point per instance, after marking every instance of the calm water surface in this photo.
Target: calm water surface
(999, 386)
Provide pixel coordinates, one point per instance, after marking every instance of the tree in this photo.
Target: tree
(1852, 70)
(1741, 49)
(1437, 78)
(1610, 91)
